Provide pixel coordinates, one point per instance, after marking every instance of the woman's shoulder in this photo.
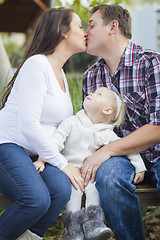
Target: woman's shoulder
(36, 62)
(36, 59)
(35, 67)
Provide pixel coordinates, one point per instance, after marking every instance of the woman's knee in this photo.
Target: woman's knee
(38, 201)
(63, 192)
(44, 202)
(58, 184)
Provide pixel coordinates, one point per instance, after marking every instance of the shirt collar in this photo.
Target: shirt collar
(128, 56)
(86, 122)
(83, 118)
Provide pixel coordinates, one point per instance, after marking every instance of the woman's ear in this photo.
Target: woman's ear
(64, 35)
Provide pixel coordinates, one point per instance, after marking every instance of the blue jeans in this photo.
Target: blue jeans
(38, 198)
(118, 200)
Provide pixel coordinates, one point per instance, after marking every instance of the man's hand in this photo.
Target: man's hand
(91, 165)
(39, 165)
(74, 175)
(138, 177)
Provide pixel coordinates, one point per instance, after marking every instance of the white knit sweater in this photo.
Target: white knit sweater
(77, 138)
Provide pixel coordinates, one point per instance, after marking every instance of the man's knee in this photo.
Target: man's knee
(114, 173)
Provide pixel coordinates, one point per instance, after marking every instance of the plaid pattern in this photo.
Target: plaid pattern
(137, 79)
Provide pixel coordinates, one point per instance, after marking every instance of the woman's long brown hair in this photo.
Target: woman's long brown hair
(48, 34)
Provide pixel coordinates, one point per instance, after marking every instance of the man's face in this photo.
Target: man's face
(97, 34)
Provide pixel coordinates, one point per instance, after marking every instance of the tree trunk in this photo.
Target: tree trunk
(5, 67)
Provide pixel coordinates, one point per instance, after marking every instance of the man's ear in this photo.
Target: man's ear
(107, 111)
(114, 25)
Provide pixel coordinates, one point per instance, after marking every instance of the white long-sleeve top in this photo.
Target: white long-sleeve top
(34, 109)
(77, 138)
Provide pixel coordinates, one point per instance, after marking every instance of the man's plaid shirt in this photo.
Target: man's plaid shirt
(137, 79)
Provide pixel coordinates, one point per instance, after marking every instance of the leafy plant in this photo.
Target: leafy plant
(75, 88)
(82, 10)
(2, 1)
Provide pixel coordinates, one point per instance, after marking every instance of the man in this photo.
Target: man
(134, 73)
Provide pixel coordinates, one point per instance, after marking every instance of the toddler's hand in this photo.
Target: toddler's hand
(39, 165)
(138, 177)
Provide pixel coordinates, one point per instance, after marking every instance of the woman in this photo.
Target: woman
(37, 102)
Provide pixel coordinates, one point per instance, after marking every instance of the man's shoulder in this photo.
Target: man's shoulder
(146, 54)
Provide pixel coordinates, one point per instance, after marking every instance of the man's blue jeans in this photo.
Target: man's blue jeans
(118, 200)
(38, 198)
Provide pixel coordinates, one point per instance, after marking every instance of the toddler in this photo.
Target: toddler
(78, 137)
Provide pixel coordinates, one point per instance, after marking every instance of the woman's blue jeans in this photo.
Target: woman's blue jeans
(38, 198)
(118, 200)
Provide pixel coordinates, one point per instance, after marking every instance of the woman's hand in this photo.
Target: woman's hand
(91, 165)
(39, 165)
(74, 175)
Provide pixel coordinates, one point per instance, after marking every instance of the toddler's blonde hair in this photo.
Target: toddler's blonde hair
(119, 120)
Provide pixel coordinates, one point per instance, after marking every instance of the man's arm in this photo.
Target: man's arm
(140, 140)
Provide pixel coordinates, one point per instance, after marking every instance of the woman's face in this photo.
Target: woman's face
(76, 36)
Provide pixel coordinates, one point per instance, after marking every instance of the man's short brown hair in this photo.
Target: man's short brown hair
(116, 12)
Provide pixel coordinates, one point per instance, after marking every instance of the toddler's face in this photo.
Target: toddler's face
(99, 100)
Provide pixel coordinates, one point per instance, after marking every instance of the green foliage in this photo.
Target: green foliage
(75, 88)
(150, 212)
(79, 62)
(1, 212)
(102, 2)
(82, 10)
(14, 52)
(56, 231)
(2, 1)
